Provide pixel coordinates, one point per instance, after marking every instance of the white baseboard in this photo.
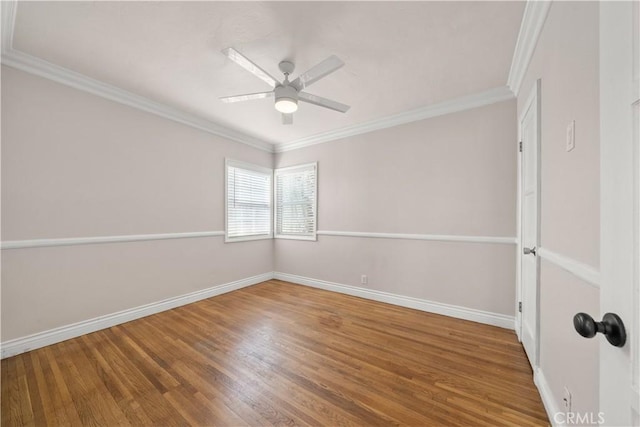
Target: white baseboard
(56, 335)
(52, 336)
(474, 315)
(546, 395)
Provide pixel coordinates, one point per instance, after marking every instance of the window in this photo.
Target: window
(296, 202)
(248, 202)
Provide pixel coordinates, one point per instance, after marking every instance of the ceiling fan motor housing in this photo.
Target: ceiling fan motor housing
(286, 98)
(286, 92)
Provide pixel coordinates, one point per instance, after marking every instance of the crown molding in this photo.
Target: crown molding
(39, 67)
(533, 19)
(534, 15)
(468, 102)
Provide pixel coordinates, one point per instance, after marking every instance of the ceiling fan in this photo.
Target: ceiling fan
(287, 94)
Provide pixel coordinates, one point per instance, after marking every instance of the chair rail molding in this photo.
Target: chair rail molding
(430, 237)
(72, 241)
(587, 273)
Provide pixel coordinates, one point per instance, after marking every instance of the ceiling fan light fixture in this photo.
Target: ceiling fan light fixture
(287, 94)
(286, 98)
(286, 105)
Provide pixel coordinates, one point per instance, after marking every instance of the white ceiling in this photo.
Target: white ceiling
(399, 55)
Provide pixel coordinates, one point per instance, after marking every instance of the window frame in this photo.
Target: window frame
(255, 168)
(278, 171)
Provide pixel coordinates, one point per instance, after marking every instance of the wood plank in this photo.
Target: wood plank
(278, 354)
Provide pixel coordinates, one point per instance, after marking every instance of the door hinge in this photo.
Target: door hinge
(520, 146)
(520, 307)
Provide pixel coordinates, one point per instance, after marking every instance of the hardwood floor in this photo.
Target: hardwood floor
(278, 354)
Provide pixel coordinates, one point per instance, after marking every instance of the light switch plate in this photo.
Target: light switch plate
(571, 135)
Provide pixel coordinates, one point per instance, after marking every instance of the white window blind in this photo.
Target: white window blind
(296, 202)
(248, 202)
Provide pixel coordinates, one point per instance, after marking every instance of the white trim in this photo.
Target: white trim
(71, 241)
(635, 347)
(52, 336)
(533, 19)
(578, 269)
(468, 102)
(532, 104)
(280, 171)
(458, 312)
(39, 67)
(248, 238)
(296, 167)
(252, 167)
(249, 166)
(547, 397)
(518, 299)
(305, 237)
(617, 223)
(45, 69)
(432, 237)
(42, 68)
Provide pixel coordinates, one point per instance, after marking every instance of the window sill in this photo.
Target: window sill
(246, 238)
(313, 238)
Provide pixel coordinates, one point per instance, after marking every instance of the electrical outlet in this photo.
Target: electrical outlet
(571, 135)
(566, 400)
(364, 279)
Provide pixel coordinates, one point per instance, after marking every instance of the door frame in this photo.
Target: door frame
(619, 201)
(635, 350)
(533, 101)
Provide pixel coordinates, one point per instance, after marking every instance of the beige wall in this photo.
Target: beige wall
(76, 165)
(453, 174)
(566, 59)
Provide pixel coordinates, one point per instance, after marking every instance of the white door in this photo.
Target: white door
(620, 187)
(529, 205)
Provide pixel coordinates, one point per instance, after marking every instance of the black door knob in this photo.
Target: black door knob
(611, 326)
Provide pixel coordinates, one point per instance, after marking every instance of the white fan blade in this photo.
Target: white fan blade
(321, 70)
(287, 119)
(248, 65)
(247, 97)
(323, 102)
